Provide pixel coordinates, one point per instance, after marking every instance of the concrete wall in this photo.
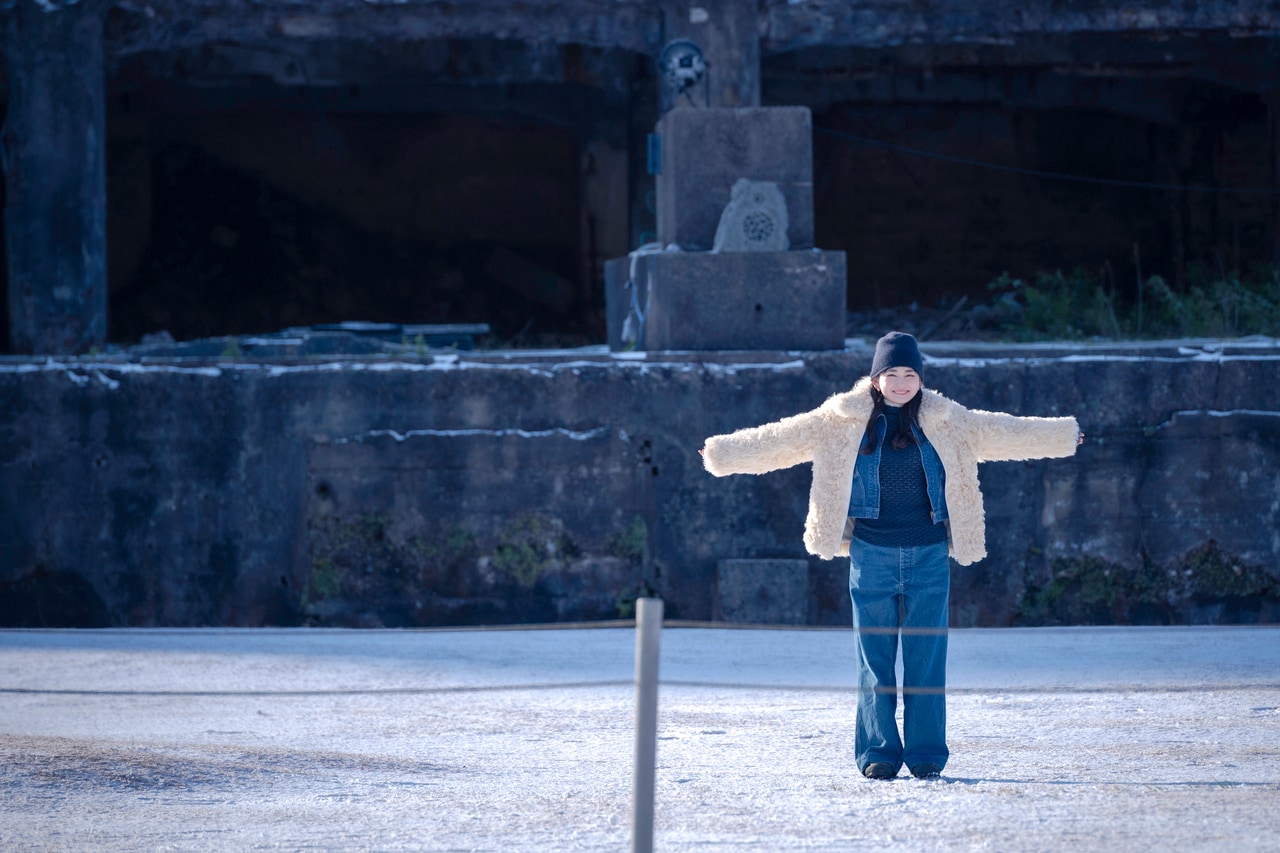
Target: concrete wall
(517, 487)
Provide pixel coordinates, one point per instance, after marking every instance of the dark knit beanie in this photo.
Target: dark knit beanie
(896, 349)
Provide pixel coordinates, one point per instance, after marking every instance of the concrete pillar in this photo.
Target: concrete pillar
(55, 177)
(713, 138)
(727, 31)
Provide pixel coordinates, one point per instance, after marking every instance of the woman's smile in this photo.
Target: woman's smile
(898, 385)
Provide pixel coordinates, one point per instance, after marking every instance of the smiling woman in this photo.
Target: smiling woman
(895, 488)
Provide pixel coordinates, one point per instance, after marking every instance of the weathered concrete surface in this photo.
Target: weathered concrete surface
(313, 43)
(513, 487)
(706, 152)
(173, 24)
(53, 152)
(730, 301)
(763, 592)
(638, 24)
(791, 26)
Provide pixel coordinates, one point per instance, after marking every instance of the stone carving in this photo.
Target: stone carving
(754, 220)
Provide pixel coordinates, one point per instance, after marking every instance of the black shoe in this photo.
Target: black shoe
(879, 770)
(926, 771)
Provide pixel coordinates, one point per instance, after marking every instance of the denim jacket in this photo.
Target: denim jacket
(864, 500)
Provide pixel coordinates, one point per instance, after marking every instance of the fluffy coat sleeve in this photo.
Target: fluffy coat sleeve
(996, 436)
(758, 450)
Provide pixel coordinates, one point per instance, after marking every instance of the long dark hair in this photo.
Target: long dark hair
(903, 437)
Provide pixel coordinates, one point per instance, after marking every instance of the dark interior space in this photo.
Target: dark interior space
(253, 221)
(253, 189)
(241, 204)
(923, 228)
(936, 168)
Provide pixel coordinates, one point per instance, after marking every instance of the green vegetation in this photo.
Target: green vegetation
(627, 599)
(343, 551)
(365, 568)
(1080, 304)
(529, 547)
(630, 543)
(1090, 591)
(361, 566)
(325, 581)
(418, 344)
(1210, 573)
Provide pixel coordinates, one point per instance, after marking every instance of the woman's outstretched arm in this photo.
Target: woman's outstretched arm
(757, 450)
(1000, 436)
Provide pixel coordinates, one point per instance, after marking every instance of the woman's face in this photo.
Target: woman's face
(898, 385)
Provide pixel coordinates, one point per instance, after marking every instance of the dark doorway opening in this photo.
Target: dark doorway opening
(226, 222)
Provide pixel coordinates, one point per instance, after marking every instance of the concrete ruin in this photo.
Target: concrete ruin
(211, 168)
(216, 172)
(704, 285)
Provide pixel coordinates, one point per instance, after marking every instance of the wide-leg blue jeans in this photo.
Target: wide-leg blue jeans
(900, 592)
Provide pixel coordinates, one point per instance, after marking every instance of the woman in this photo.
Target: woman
(895, 487)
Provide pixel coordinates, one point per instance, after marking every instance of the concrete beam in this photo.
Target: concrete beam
(641, 25)
(787, 27)
(164, 25)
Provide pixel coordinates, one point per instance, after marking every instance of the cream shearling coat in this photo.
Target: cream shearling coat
(829, 437)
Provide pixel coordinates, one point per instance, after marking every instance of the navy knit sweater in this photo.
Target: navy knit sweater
(906, 519)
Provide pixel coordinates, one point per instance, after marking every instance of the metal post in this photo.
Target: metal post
(648, 630)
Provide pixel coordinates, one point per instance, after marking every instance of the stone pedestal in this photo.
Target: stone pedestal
(734, 300)
(762, 592)
(706, 151)
(736, 269)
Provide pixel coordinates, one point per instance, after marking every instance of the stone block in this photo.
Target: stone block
(731, 301)
(706, 151)
(763, 592)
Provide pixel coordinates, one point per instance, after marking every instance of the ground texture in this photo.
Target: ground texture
(1062, 739)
